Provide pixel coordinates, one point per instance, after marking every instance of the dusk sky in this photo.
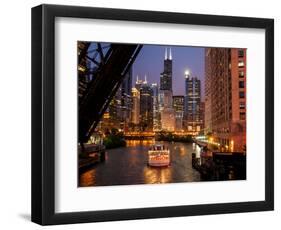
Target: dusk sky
(150, 61)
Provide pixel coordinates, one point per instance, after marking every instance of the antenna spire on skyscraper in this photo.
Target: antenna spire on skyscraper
(145, 80)
(166, 54)
(170, 56)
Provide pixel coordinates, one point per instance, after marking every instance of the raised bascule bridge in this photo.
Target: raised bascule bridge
(101, 70)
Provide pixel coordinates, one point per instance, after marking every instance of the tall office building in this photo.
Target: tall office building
(168, 119)
(146, 107)
(225, 93)
(178, 105)
(166, 75)
(139, 82)
(192, 104)
(166, 94)
(156, 111)
(135, 112)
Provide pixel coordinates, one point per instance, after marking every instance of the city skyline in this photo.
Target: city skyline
(182, 119)
(152, 106)
(150, 63)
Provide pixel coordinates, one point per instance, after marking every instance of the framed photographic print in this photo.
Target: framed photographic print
(143, 114)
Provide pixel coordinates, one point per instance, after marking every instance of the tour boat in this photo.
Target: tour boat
(158, 155)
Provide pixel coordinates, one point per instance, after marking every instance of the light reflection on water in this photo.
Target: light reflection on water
(140, 142)
(156, 176)
(128, 165)
(88, 178)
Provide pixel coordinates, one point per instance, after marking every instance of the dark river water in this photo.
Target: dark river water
(128, 165)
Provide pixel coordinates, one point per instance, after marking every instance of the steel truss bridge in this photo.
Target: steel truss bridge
(101, 69)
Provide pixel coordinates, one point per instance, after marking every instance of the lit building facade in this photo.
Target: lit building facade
(192, 104)
(156, 109)
(146, 107)
(168, 119)
(178, 105)
(225, 93)
(135, 113)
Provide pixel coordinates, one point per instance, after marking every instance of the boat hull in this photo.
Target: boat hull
(159, 164)
(160, 159)
(158, 156)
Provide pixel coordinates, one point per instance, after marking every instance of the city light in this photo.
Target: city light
(203, 137)
(179, 107)
(81, 68)
(187, 73)
(231, 145)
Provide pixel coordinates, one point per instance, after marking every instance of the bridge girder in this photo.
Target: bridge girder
(108, 73)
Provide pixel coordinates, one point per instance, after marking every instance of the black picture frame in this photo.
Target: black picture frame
(43, 114)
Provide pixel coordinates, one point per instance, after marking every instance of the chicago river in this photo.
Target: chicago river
(128, 166)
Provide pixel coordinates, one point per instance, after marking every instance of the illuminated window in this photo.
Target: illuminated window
(241, 64)
(241, 74)
(242, 105)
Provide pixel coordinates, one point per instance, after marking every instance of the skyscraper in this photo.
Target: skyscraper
(138, 84)
(192, 103)
(178, 105)
(225, 88)
(146, 106)
(166, 95)
(166, 75)
(156, 111)
(135, 113)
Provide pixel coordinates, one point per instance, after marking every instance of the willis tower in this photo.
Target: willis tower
(166, 95)
(166, 76)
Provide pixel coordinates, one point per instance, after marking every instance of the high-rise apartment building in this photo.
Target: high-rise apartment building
(225, 94)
